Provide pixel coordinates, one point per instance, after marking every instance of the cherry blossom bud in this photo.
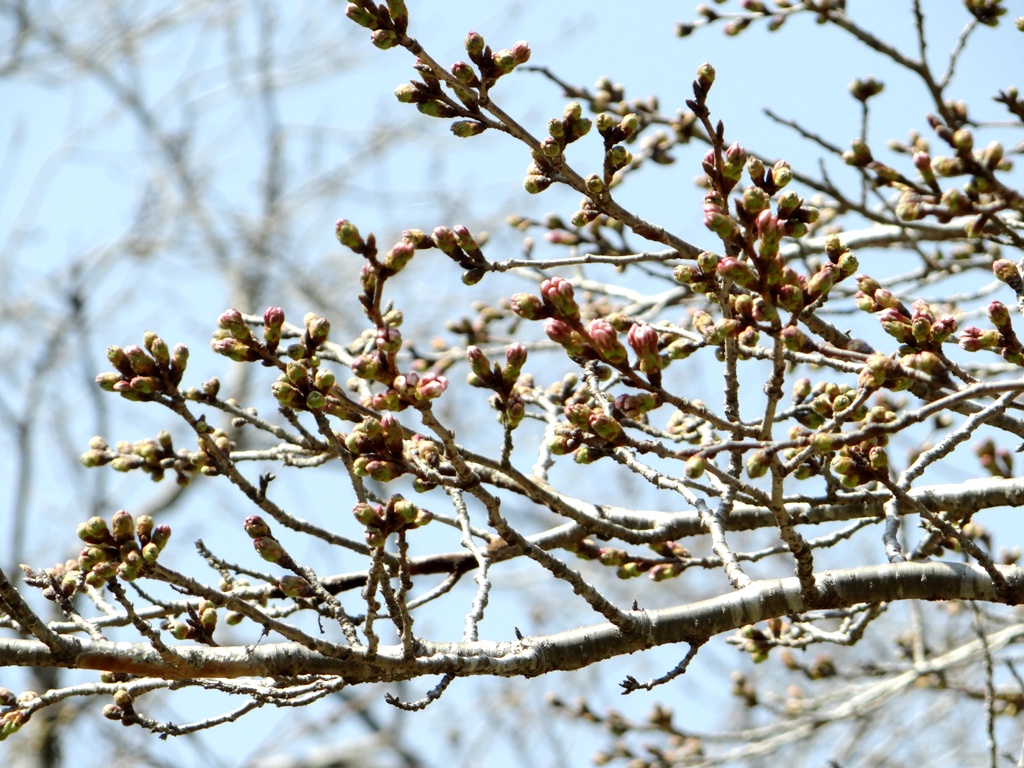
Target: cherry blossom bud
(161, 535)
(758, 463)
(782, 174)
(515, 359)
(739, 272)
(360, 16)
(529, 307)
(998, 314)
(430, 386)
(563, 334)
(821, 281)
(348, 235)
(896, 325)
(705, 75)
(464, 129)
(535, 183)
(973, 339)
(389, 340)
(479, 365)
(755, 200)
(269, 549)
(474, 43)
(122, 526)
(578, 414)
(400, 254)
(364, 513)
(733, 162)
(558, 293)
(233, 349)
(604, 340)
(514, 412)
(796, 340)
(384, 39)
(256, 526)
(1006, 271)
(605, 427)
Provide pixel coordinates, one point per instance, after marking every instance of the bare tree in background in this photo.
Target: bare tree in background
(787, 520)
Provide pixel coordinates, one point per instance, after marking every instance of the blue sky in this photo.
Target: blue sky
(75, 166)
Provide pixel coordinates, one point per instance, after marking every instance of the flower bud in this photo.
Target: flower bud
(388, 340)
(256, 526)
(464, 129)
(361, 17)
(998, 314)
(400, 254)
(474, 43)
(430, 386)
(705, 75)
(515, 359)
(269, 549)
(739, 272)
(161, 535)
(561, 333)
(604, 340)
(694, 467)
(348, 235)
(122, 526)
(604, 426)
(558, 293)
(758, 463)
(296, 587)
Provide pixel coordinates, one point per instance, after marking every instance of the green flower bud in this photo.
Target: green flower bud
(758, 463)
(605, 427)
(466, 128)
(694, 467)
(595, 184)
(296, 587)
(150, 552)
(364, 513)
(348, 235)
(360, 16)
(269, 549)
(122, 526)
(94, 531)
(705, 75)
(535, 184)
(474, 43)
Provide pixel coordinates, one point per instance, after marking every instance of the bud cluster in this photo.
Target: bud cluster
(387, 23)
(156, 456)
(563, 131)
(198, 625)
(917, 328)
(816, 404)
(856, 464)
(144, 372)
(383, 520)
(127, 549)
(977, 196)
(599, 339)
(377, 445)
(668, 564)
(1001, 339)
(304, 385)
(860, 464)
(503, 381)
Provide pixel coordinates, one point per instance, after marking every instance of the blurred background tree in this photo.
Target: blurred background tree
(167, 159)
